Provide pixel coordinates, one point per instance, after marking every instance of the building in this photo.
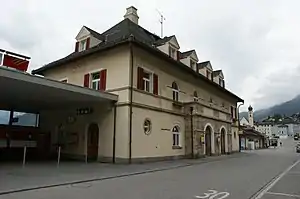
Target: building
(251, 138)
(266, 128)
(156, 102)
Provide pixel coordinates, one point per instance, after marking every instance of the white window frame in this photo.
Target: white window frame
(176, 142)
(82, 45)
(176, 92)
(172, 52)
(151, 83)
(95, 80)
(193, 64)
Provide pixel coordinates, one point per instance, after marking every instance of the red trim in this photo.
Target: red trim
(88, 41)
(155, 84)
(77, 46)
(86, 81)
(140, 75)
(103, 80)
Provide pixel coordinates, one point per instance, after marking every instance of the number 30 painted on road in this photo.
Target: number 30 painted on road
(213, 194)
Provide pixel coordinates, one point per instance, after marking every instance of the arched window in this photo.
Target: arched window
(176, 135)
(175, 91)
(195, 96)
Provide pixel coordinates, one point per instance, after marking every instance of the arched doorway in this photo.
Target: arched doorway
(92, 142)
(223, 134)
(208, 132)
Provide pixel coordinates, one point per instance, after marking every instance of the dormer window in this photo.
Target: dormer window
(208, 74)
(82, 45)
(193, 64)
(220, 82)
(172, 52)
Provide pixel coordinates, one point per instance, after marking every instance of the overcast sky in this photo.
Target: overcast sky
(256, 43)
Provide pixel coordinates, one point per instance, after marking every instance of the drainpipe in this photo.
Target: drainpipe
(192, 132)
(114, 134)
(130, 96)
(239, 126)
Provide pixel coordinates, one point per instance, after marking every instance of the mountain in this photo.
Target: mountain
(287, 108)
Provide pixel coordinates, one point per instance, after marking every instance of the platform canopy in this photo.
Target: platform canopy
(25, 92)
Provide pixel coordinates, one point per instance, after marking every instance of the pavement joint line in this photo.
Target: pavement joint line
(272, 182)
(115, 176)
(283, 194)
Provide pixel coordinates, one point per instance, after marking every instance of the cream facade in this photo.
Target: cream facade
(168, 107)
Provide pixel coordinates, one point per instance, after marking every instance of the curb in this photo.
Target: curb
(112, 177)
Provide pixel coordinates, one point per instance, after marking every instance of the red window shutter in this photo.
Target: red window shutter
(140, 75)
(178, 55)
(86, 81)
(155, 84)
(88, 40)
(103, 80)
(77, 46)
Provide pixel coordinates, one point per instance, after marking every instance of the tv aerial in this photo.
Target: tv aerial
(161, 21)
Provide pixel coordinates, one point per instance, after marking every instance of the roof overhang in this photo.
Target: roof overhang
(24, 92)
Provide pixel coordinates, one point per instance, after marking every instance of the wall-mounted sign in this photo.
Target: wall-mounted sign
(84, 111)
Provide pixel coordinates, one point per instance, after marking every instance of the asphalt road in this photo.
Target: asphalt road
(270, 173)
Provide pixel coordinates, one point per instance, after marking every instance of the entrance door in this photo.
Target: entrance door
(208, 141)
(93, 142)
(222, 141)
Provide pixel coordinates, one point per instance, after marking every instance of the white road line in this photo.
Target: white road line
(266, 189)
(283, 194)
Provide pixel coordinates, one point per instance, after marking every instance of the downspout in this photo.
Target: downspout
(239, 126)
(114, 134)
(130, 97)
(192, 132)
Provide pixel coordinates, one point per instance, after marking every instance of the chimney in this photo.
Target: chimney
(131, 14)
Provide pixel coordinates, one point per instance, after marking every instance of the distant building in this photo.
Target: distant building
(251, 138)
(244, 122)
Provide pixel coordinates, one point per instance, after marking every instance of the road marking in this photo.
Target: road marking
(283, 194)
(272, 183)
(214, 195)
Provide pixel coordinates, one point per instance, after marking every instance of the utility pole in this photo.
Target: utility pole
(161, 21)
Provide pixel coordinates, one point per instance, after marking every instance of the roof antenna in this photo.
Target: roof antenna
(161, 21)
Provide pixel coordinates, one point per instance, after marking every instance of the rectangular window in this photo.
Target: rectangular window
(193, 64)
(220, 82)
(25, 119)
(4, 117)
(82, 45)
(172, 52)
(95, 80)
(148, 81)
(208, 74)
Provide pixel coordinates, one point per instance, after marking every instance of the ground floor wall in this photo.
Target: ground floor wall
(70, 130)
(155, 135)
(158, 142)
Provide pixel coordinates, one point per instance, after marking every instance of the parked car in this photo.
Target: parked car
(298, 148)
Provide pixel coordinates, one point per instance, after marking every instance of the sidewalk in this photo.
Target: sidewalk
(14, 178)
